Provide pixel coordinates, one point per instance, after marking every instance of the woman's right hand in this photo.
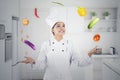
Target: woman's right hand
(93, 51)
(29, 60)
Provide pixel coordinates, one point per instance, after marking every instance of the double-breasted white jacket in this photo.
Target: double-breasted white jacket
(56, 57)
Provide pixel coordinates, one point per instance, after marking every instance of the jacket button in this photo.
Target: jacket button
(53, 43)
(52, 49)
(62, 43)
(62, 50)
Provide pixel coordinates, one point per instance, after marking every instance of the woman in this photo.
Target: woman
(57, 54)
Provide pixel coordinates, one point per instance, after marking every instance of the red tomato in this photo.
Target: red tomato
(96, 37)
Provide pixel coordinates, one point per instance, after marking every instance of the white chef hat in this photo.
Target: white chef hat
(55, 15)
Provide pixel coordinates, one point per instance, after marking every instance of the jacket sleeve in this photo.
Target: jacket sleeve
(79, 59)
(41, 61)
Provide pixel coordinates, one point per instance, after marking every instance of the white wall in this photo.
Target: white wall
(48, 4)
(39, 32)
(8, 9)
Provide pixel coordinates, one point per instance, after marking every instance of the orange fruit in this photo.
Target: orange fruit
(25, 21)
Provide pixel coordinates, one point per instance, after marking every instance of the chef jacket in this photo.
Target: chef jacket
(56, 57)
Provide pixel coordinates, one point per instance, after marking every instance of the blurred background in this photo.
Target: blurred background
(25, 20)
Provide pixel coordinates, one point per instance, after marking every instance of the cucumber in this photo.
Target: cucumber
(93, 22)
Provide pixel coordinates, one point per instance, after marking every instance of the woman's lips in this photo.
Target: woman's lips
(61, 31)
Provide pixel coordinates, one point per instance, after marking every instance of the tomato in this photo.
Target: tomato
(96, 37)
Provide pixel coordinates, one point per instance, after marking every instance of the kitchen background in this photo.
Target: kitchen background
(25, 20)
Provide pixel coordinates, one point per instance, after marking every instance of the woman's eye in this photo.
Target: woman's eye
(60, 26)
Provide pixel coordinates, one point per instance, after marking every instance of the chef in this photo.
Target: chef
(57, 53)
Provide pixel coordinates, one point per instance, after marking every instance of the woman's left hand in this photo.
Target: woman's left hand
(93, 51)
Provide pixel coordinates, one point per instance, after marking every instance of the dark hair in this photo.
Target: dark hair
(53, 28)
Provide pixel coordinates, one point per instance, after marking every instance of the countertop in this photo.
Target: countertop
(104, 55)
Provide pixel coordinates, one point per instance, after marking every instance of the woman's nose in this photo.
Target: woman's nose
(61, 27)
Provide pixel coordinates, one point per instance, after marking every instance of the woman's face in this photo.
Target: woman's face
(59, 29)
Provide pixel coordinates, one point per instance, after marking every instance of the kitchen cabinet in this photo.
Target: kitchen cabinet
(94, 71)
(97, 70)
(104, 25)
(109, 73)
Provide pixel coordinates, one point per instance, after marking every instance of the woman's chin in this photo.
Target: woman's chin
(61, 34)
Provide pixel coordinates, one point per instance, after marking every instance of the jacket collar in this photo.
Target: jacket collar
(54, 40)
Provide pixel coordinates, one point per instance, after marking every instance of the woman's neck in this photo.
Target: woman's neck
(58, 38)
